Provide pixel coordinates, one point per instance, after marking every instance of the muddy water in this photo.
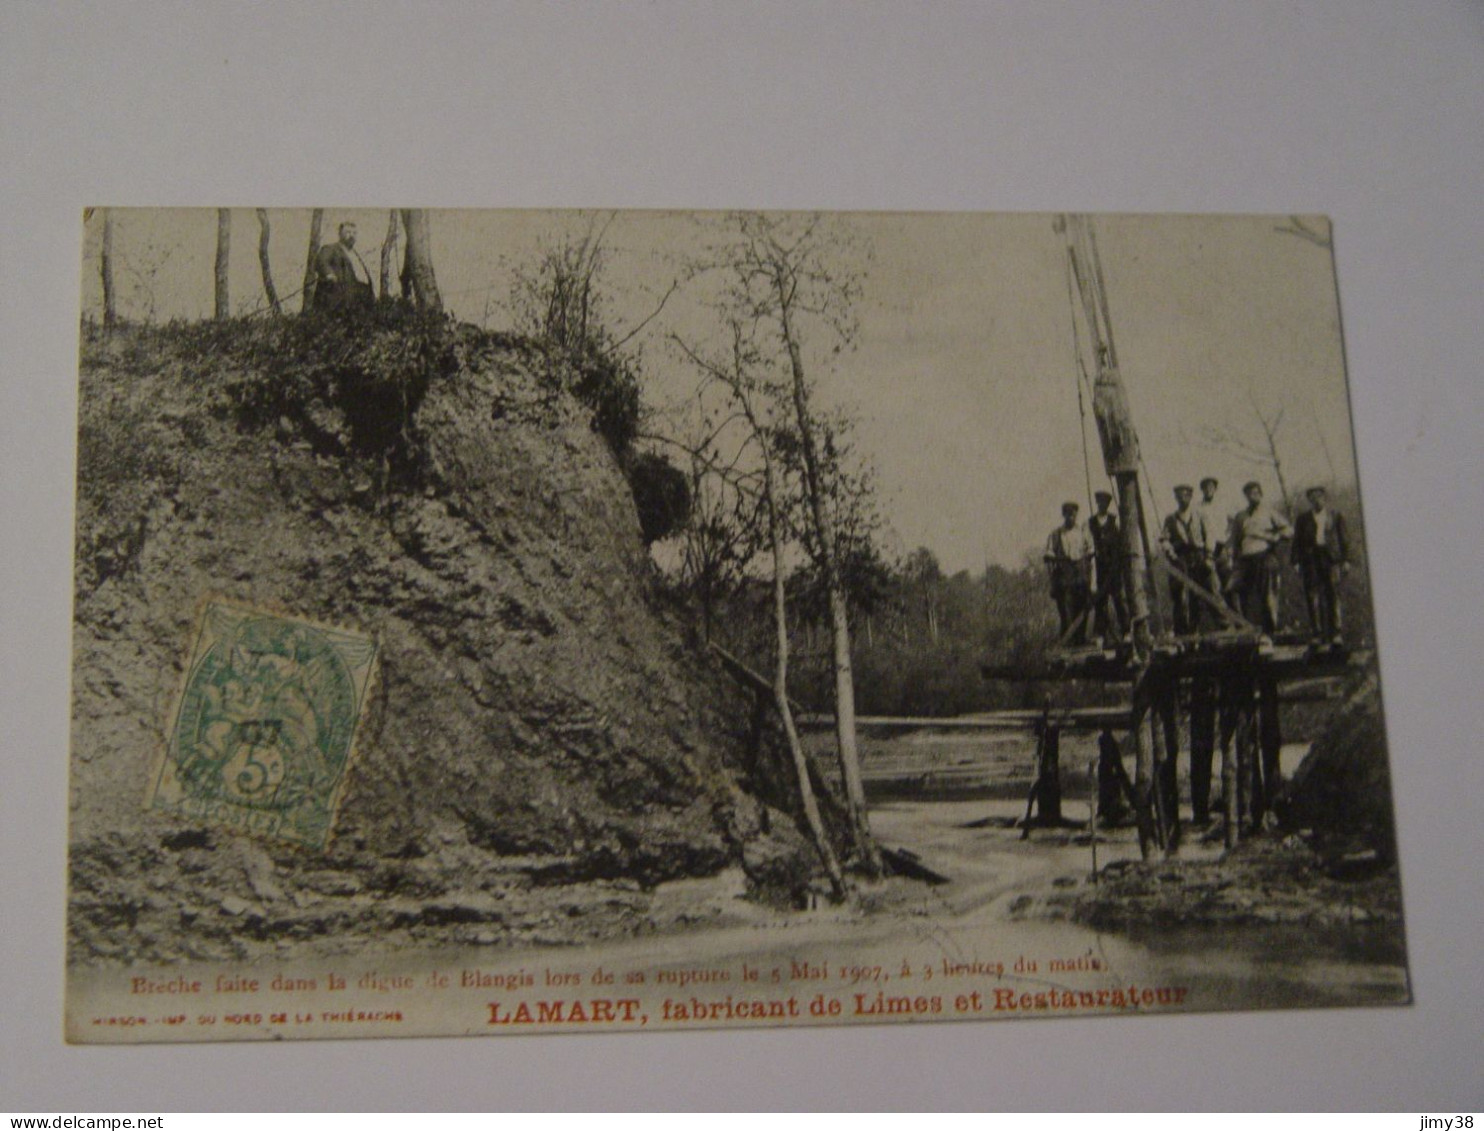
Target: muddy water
(900, 951)
(942, 763)
(959, 950)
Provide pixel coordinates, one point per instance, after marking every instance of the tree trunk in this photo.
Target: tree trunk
(845, 737)
(223, 250)
(316, 222)
(807, 799)
(268, 288)
(388, 254)
(110, 311)
(420, 258)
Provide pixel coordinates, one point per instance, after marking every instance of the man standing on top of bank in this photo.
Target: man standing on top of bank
(1255, 535)
(341, 279)
(1068, 556)
(1321, 554)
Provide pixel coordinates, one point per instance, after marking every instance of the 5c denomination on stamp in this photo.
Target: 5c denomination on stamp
(263, 735)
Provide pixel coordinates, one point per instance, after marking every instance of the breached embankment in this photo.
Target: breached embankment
(542, 744)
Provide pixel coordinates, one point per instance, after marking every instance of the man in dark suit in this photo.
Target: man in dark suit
(341, 279)
(1321, 553)
(1107, 545)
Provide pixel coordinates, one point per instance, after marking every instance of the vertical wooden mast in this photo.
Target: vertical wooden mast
(1120, 445)
(1116, 434)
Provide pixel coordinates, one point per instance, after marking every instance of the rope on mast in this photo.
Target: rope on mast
(1096, 263)
(1081, 377)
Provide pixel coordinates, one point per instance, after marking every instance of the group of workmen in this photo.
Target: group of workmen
(1213, 559)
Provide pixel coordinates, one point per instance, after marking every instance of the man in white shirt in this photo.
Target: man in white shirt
(1068, 559)
(1255, 536)
(1214, 526)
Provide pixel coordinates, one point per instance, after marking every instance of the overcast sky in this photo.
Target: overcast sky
(963, 378)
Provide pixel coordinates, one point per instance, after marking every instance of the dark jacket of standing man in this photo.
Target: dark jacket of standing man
(1107, 544)
(342, 280)
(1183, 539)
(1321, 552)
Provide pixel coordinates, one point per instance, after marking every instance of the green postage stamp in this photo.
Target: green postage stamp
(263, 734)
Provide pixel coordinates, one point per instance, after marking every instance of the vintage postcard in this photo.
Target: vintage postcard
(512, 622)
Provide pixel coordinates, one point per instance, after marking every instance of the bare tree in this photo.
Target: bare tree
(561, 299)
(311, 273)
(921, 573)
(721, 538)
(268, 288)
(223, 251)
(418, 276)
(388, 254)
(1297, 227)
(1259, 452)
(783, 276)
(746, 392)
(105, 268)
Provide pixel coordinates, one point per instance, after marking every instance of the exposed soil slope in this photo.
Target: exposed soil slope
(537, 720)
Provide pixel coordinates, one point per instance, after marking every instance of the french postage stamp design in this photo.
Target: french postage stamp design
(263, 734)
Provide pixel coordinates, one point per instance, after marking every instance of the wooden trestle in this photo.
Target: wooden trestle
(1230, 685)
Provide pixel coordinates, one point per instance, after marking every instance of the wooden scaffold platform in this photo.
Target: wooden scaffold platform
(1229, 681)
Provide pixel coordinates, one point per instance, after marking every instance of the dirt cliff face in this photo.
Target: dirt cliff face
(536, 723)
(1342, 789)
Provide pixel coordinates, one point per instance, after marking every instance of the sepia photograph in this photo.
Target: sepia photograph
(508, 621)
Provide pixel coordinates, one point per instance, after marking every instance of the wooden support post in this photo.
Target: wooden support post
(1166, 722)
(1249, 785)
(1143, 770)
(1159, 825)
(1136, 577)
(1202, 745)
(1230, 692)
(1229, 794)
(1094, 778)
(1030, 800)
(1051, 776)
(1270, 743)
(1044, 800)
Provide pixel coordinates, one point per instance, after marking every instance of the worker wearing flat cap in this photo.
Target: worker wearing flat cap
(1256, 533)
(1107, 546)
(1215, 523)
(1321, 553)
(1068, 558)
(1183, 540)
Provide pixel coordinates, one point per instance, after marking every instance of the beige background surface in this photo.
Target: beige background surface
(1367, 112)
